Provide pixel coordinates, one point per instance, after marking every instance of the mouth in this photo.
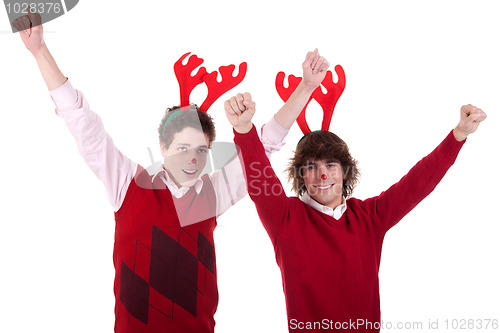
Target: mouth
(323, 187)
(190, 171)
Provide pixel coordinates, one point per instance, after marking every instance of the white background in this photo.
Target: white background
(410, 65)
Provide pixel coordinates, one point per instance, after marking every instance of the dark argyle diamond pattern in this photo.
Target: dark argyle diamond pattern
(173, 273)
(206, 253)
(134, 293)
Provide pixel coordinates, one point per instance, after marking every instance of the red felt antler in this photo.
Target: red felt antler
(285, 93)
(327, 101)
(217, 89)
(183, 73)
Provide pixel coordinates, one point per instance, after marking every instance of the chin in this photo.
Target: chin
(189, 182)
(325, 200)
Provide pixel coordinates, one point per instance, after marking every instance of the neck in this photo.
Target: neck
(334, 204)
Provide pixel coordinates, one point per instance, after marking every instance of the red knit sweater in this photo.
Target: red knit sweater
(165, 274)
(330, 267)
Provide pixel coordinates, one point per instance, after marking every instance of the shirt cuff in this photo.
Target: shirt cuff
(273, 133)
(65, 97)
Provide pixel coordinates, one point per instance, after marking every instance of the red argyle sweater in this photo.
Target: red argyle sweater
(165, 274)
(330, 267)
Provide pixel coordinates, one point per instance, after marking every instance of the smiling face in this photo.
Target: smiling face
(323, 180)
(186, 156)
(323, 167)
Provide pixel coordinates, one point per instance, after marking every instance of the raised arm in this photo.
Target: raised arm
(273, 133)
(229, 183)
(314, 69)
(96, 147)
(391, 205)
(31, 32)
(264, 187)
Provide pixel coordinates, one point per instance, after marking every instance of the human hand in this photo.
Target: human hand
(470, 117)
(239, 111)
(314, 69)
(31, 31)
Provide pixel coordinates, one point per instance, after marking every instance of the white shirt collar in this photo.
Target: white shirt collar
(176, 191)
(335, 213)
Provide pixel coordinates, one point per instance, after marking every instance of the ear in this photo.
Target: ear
(209, 143)
(163, 150)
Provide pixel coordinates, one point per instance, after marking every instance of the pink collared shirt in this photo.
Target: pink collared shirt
(116, 171)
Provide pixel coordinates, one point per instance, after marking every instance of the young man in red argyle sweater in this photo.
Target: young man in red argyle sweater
(327, 243)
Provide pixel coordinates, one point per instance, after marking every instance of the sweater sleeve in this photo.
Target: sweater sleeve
(263, 185)
(228, 181)
(393, 204)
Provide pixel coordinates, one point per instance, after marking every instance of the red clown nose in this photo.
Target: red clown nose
(323, 176)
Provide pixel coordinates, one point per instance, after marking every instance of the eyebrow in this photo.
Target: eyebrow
(326, 162)
(189, 145)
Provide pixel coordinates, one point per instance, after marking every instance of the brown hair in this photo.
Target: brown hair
(172, 123)
(323, 145)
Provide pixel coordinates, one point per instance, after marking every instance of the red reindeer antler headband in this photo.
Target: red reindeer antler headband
(327, 101)
(215, 89)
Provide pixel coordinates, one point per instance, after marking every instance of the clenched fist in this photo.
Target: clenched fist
(31, 31)
(470, 117)
(314, 69)
(239, 111)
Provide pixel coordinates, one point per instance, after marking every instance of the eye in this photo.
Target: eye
(182, 148)
(332, 166)
(311, 167)
(202, 150)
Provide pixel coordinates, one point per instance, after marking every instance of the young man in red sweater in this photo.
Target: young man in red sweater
(327, 243)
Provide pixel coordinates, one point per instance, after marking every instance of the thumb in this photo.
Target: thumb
(36, 20)
(246, 97)
(310, 58)
(478, 117)
(250, 106)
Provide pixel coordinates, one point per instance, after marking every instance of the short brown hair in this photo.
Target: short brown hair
(191, 118)
(323, 145)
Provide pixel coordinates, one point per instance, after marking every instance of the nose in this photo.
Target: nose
(322, 172)
(194, 160)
